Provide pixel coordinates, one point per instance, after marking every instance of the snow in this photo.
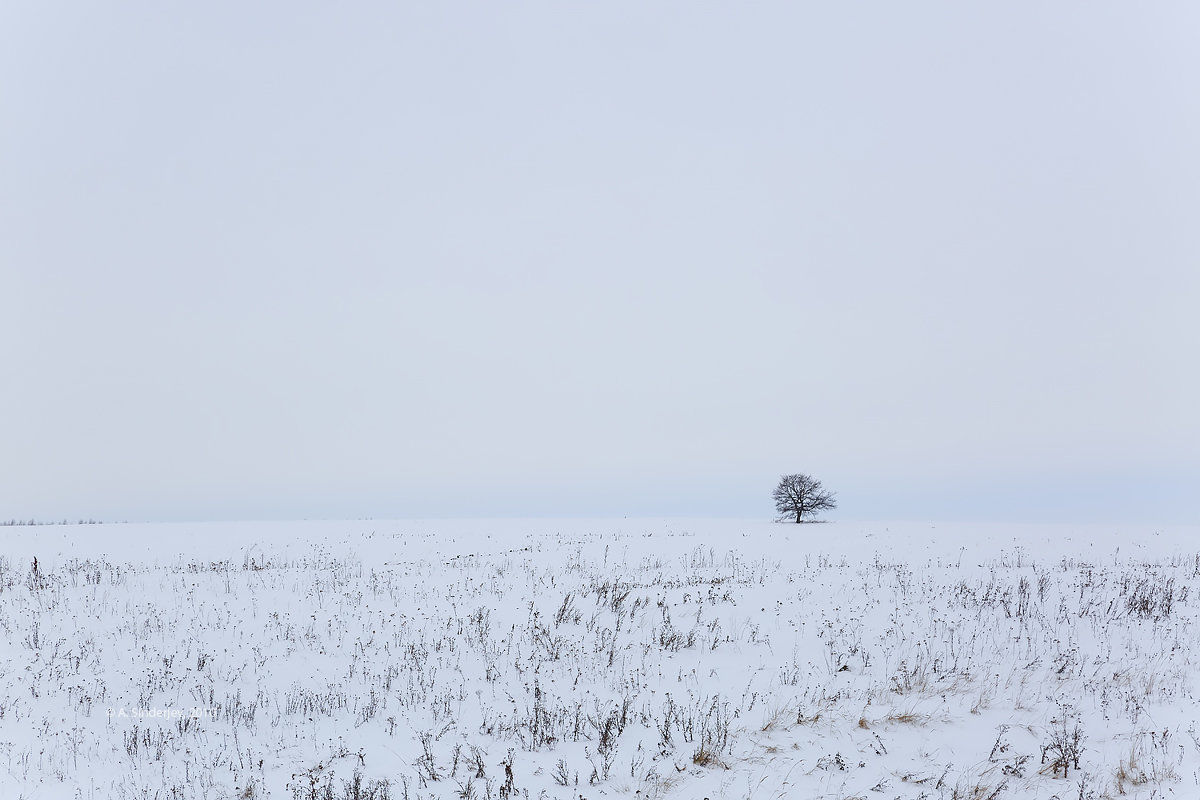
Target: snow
(599, 658)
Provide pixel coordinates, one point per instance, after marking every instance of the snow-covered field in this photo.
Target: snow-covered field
(589, 659)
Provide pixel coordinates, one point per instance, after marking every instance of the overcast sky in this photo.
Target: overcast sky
(312, 259)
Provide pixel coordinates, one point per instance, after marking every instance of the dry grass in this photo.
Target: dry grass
(707, 757)
(907, 718)
(977, 792)
(1129, 772)
(777, 717)
(802, 719)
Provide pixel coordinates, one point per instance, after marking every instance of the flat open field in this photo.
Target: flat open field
(607, 658)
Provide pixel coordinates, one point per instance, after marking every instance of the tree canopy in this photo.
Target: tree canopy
(799, 497)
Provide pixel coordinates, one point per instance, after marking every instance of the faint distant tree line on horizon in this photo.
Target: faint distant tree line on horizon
(22, 523)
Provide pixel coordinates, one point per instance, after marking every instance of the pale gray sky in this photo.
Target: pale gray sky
(286, 259)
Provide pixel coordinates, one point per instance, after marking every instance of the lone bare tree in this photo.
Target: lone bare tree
(800, 496)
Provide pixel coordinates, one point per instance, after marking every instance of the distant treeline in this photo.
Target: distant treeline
(14, 522)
